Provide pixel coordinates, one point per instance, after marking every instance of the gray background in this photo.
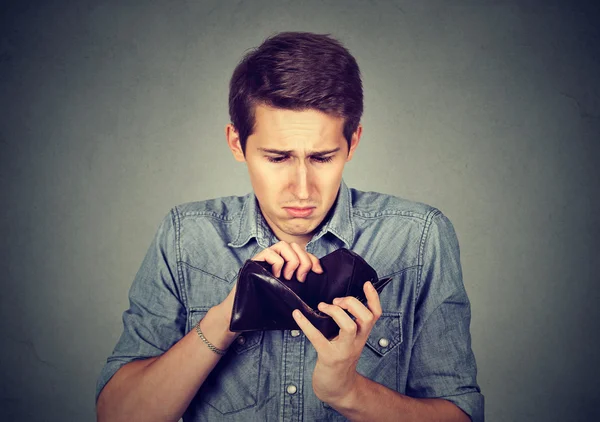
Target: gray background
(112, 112)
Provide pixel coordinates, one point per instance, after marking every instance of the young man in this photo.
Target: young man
(295, 106)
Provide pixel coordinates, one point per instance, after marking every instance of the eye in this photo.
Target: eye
(276, 159)
(323, 159)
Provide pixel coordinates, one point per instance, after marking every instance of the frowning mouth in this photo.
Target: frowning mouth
(299, 212)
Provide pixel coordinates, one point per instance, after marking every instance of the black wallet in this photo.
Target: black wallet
(265, 302)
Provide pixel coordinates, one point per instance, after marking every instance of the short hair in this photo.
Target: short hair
(296, 71)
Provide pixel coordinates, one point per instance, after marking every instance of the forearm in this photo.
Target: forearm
(161, 388)
(370, 401)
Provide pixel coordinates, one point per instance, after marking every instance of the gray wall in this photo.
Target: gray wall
(112, 112)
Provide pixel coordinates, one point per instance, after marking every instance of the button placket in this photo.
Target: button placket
(292, 377)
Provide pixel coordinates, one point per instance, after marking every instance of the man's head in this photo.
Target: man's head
(295, 104)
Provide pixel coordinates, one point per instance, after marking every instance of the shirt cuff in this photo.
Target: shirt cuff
(471, 403)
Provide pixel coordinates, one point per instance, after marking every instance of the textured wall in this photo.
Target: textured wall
(112, 112)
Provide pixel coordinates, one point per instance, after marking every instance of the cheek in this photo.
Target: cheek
(329, 178)
(260, 174)
(329, 183)
(265, 182)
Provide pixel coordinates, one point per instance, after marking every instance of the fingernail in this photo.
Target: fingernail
(336, 300)
(321, 305)
(297, 313)
(301, 277)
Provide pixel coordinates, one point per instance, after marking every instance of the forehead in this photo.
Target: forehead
(283, 126)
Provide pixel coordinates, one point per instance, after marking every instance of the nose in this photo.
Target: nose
(300, 181)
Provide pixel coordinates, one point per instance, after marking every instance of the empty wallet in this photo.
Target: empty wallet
(265, 302)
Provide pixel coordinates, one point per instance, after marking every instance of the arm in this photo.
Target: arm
(156, 369)
(170, 367)
(161, 388)
(370, 400)
(336, 382)
(441, 385)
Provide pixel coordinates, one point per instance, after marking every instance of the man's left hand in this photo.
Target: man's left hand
(334, 377)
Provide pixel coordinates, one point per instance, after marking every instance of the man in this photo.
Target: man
(295, 105)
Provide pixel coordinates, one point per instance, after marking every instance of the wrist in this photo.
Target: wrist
(215, 326)
(351, 398)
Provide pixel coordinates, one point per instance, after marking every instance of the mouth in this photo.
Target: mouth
(299, 212)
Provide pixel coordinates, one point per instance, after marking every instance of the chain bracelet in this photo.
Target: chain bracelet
(208, 343)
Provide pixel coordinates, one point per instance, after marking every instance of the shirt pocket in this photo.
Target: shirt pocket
(233, 383)
(380, 358)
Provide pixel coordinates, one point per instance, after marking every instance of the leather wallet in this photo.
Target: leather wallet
(265, 302)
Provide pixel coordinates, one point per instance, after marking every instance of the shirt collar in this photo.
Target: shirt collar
(253, 225)
(337, 222)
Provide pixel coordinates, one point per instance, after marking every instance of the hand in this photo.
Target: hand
(292, 255)
(335, 373)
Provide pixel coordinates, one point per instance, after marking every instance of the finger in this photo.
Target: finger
(365, 319)
(316, 265)
(363, 315)
(272, 258)
(290, 257)
(348, 328)
(372, 299)
(317, 339)
(305, 262)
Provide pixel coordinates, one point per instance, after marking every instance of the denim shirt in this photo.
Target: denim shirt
(420, 346)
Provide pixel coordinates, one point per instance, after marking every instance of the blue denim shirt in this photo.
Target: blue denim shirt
(421, 345)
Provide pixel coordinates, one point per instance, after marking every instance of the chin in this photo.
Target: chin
(298, 231)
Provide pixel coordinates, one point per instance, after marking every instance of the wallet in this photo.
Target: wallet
(265, 302)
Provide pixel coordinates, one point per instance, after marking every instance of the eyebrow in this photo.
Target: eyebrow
(290, 152)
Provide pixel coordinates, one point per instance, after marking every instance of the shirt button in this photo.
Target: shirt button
(241, 340)
(291, 389)
(384, 342)
(295, 333)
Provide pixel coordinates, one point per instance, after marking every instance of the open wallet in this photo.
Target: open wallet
(265, 302)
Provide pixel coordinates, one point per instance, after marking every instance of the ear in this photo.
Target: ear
(354, 142)
(233, 141)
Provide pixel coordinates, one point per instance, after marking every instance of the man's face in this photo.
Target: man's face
(295, 160)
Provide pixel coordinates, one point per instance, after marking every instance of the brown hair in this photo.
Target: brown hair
(296, 71)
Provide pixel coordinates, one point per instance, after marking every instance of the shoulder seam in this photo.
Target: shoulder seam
(424, 237)
(177, 222)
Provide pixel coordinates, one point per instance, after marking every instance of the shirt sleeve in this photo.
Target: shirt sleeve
(442, 363)
(156, 316)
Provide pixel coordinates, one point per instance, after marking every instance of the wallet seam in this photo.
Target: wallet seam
(268, 273)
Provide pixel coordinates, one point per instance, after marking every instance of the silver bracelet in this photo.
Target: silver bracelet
(208, 343)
